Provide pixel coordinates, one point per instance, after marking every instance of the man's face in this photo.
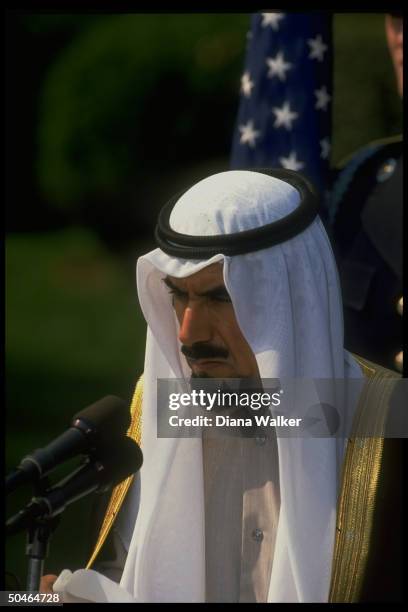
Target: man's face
(211, 339)
(394, 31)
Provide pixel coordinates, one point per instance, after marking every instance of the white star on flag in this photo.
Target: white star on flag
(291, 163)
(325, 145)
(278, 66)
(323, 98)
(248, 134)
(317, 48)
(272, 19)
(246, 84)
(284, 116)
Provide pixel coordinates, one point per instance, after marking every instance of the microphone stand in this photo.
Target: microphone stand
(43, 513)
(38, 535)
(40, 525)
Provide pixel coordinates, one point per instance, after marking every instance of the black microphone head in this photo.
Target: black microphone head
(97, 426)
(107, 418)
(121, 459)
(107, 468)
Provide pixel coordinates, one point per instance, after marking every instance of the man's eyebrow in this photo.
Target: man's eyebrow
(219, 291)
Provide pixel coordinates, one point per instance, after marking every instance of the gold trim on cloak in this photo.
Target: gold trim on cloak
(119, 492)
(360, 475)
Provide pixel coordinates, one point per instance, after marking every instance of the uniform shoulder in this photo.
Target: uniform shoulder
(364, 152)
(358, 174)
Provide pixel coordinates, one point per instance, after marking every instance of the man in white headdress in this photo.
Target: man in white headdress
(243, 285)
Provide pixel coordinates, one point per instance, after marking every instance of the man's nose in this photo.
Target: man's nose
(195, 325)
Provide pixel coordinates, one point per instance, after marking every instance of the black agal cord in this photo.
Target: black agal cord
(203, 247)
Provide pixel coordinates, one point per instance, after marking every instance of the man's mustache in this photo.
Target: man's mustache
(201, 350)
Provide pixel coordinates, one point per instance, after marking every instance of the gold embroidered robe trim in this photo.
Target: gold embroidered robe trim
(119, 492)
(360, 474)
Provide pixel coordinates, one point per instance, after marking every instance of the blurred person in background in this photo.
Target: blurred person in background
(285, 119)
(366, 207)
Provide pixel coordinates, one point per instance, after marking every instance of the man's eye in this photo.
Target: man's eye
(177, 293)
(221, 297)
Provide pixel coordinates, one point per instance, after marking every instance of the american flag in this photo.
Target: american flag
(284, 117)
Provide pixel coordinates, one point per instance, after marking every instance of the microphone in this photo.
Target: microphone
(113, 465)
(92, 427)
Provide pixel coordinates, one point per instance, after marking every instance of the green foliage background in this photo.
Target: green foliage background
(74, 330)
